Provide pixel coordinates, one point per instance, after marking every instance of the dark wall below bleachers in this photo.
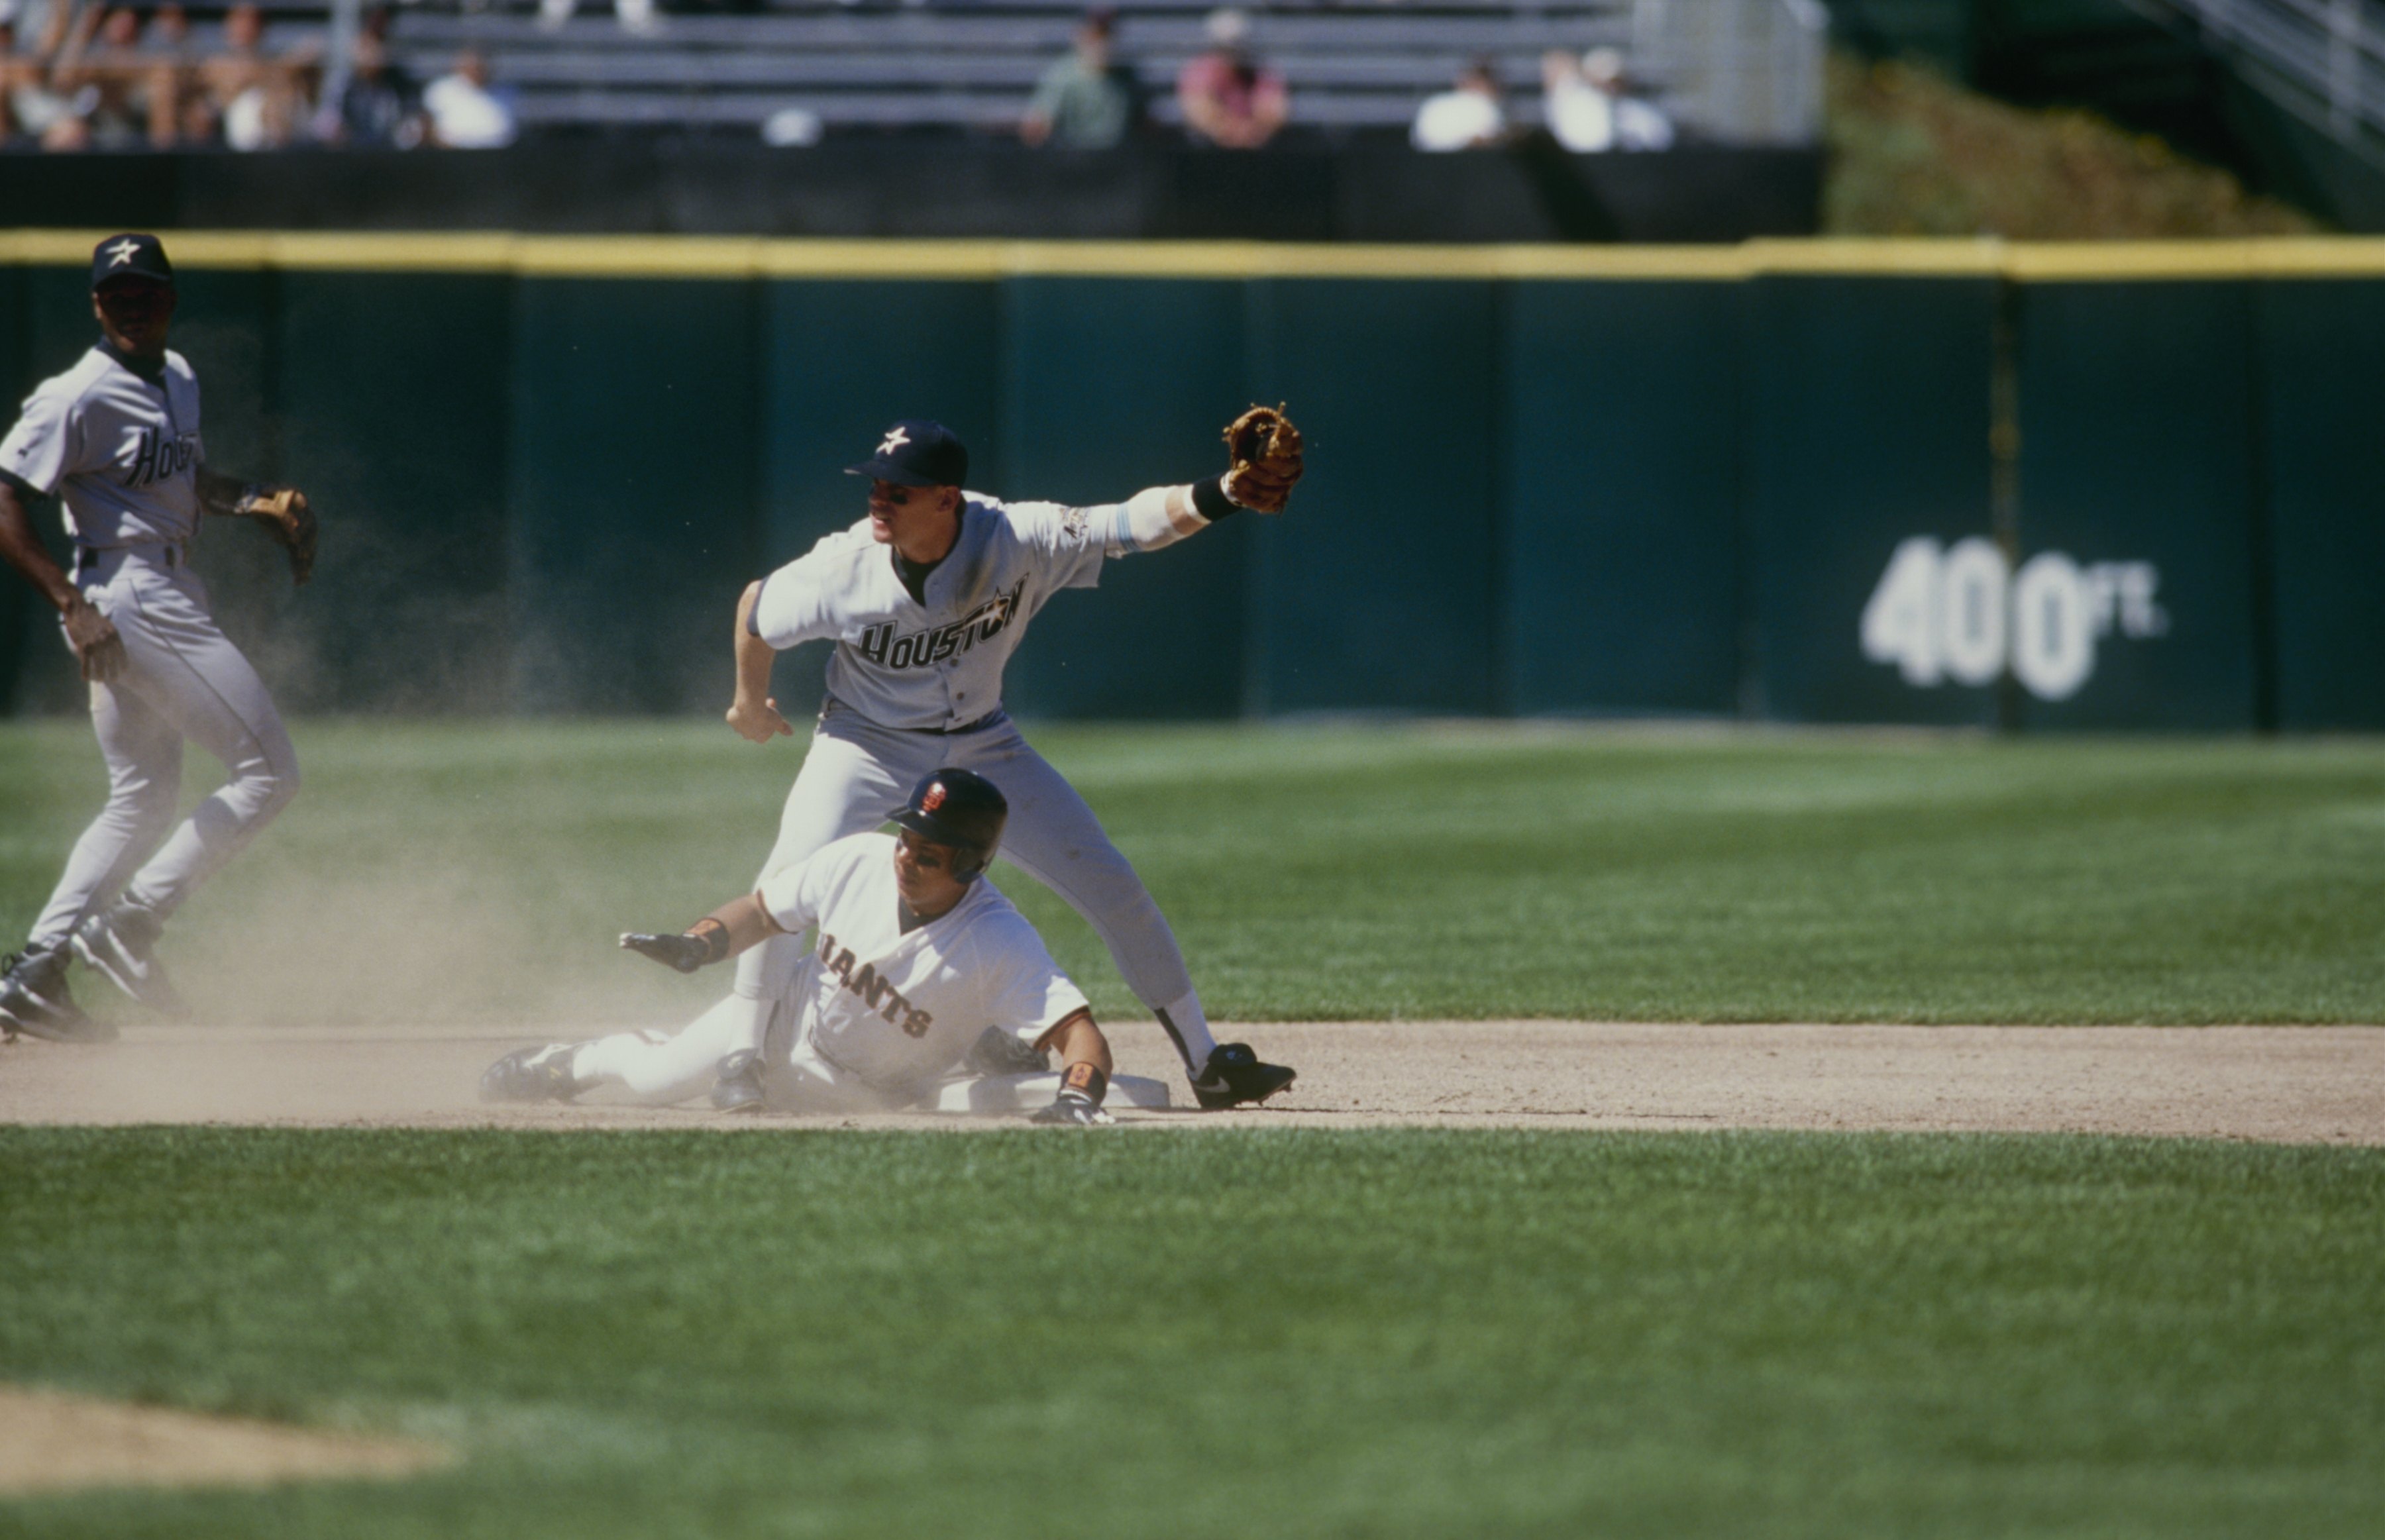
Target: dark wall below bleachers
(942, 185)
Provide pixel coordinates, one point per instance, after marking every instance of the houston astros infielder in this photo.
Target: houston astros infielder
(925, 600)
(916, 956)
(117, 439)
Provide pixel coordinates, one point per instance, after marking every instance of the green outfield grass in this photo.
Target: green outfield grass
(1233, 1334)
(456, 871)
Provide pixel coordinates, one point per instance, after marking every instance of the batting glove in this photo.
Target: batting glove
(708, 942)
(1079, 1105)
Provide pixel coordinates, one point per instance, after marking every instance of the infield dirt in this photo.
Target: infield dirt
(2289, 1084)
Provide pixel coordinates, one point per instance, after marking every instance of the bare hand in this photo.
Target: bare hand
(759, 723)
(97, 645)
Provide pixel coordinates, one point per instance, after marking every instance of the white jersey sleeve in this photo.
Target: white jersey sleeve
(45, 446)
(1067, 543)
(799, 602)
(795, 895)
(1024, 992)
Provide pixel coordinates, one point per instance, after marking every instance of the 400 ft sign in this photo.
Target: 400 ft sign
(1960, 612)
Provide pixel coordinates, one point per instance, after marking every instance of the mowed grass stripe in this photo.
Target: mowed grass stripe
(458, 871)
(1241, 1334)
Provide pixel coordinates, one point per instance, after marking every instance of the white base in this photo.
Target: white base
(991, 1095)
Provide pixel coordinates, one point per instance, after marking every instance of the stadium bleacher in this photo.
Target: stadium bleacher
(974, 66)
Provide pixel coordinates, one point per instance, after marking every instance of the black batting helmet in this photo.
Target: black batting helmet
(959, 808)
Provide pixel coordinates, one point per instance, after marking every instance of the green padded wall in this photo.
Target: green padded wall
(1111, 385)
(2136, 431)
(631, 490)
(394, 408)
(2322, 417)
(1619, 431)
(1869, 416)
(1380, 592)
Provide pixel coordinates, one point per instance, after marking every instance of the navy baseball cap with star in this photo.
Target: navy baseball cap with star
(917, 452)
(132, 255)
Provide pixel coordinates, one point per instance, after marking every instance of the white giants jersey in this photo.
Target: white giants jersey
(936, 665)
(121, 453)
(897, 1010)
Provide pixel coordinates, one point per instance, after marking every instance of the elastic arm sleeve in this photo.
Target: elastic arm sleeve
(1150, 518)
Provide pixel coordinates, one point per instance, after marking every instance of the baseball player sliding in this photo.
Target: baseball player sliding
(117, 439)
(915, 955)
(924, 601)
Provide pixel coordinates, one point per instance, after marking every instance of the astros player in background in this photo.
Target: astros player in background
(116, 437)
(925, 600)
(917, 957)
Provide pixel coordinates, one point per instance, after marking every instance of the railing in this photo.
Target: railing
(2323, 60)
(1742, 72)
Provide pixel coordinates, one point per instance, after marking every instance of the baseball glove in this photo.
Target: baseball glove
(1266, 450)
(285, 512)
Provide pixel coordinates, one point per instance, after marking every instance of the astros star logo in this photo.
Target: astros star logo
(122, 252)
(894, 440)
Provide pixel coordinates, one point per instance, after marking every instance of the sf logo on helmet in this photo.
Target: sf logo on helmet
(934, 798)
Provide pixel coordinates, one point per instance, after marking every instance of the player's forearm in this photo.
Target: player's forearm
(1078, 1041)
(1162, 516)
(23, 549)
(754, 655)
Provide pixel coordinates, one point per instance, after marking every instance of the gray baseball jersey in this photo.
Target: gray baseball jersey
(895, 1010)
(121, 452)
(936, 665)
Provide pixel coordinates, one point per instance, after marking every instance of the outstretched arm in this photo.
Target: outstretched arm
(728, 930)
(1266, 454)
(753, 712)
(97, 648)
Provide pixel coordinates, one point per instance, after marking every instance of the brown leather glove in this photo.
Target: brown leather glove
(283, 511)
(1267, 454)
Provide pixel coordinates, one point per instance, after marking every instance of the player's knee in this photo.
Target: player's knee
(268, 788)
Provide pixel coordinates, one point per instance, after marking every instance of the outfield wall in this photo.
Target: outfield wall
(1929, 482)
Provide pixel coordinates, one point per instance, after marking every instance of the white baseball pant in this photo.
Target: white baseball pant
(183, 680)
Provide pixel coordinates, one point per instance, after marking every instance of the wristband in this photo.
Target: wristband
(1086, 1079)
(715, 936)
(1209, 500)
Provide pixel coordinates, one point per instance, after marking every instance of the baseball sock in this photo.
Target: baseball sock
(1188, 1024)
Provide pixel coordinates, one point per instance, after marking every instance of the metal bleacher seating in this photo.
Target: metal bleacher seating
(1364, 64)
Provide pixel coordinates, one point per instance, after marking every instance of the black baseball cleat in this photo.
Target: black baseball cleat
(541, 1074)
(738, 1089)
(1234, 1078)
(34, 1000)
(121, 943)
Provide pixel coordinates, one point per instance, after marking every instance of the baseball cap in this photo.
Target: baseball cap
(130, 256)
(917, 452)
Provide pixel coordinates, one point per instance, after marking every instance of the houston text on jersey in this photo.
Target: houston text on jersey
(924, 648)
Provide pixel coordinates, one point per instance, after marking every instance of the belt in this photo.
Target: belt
(167, 554)
(830, 703)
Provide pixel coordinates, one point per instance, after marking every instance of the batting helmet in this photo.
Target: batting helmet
(959, 808)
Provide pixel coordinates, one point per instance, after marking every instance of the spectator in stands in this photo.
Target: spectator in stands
(124, 93)
(378, 108)
(465, 114)
(1228, 97)
(1089, 100)
(637, 17)
(1465, 118)
(17, 74)
(258, 101)
(1591, 107)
